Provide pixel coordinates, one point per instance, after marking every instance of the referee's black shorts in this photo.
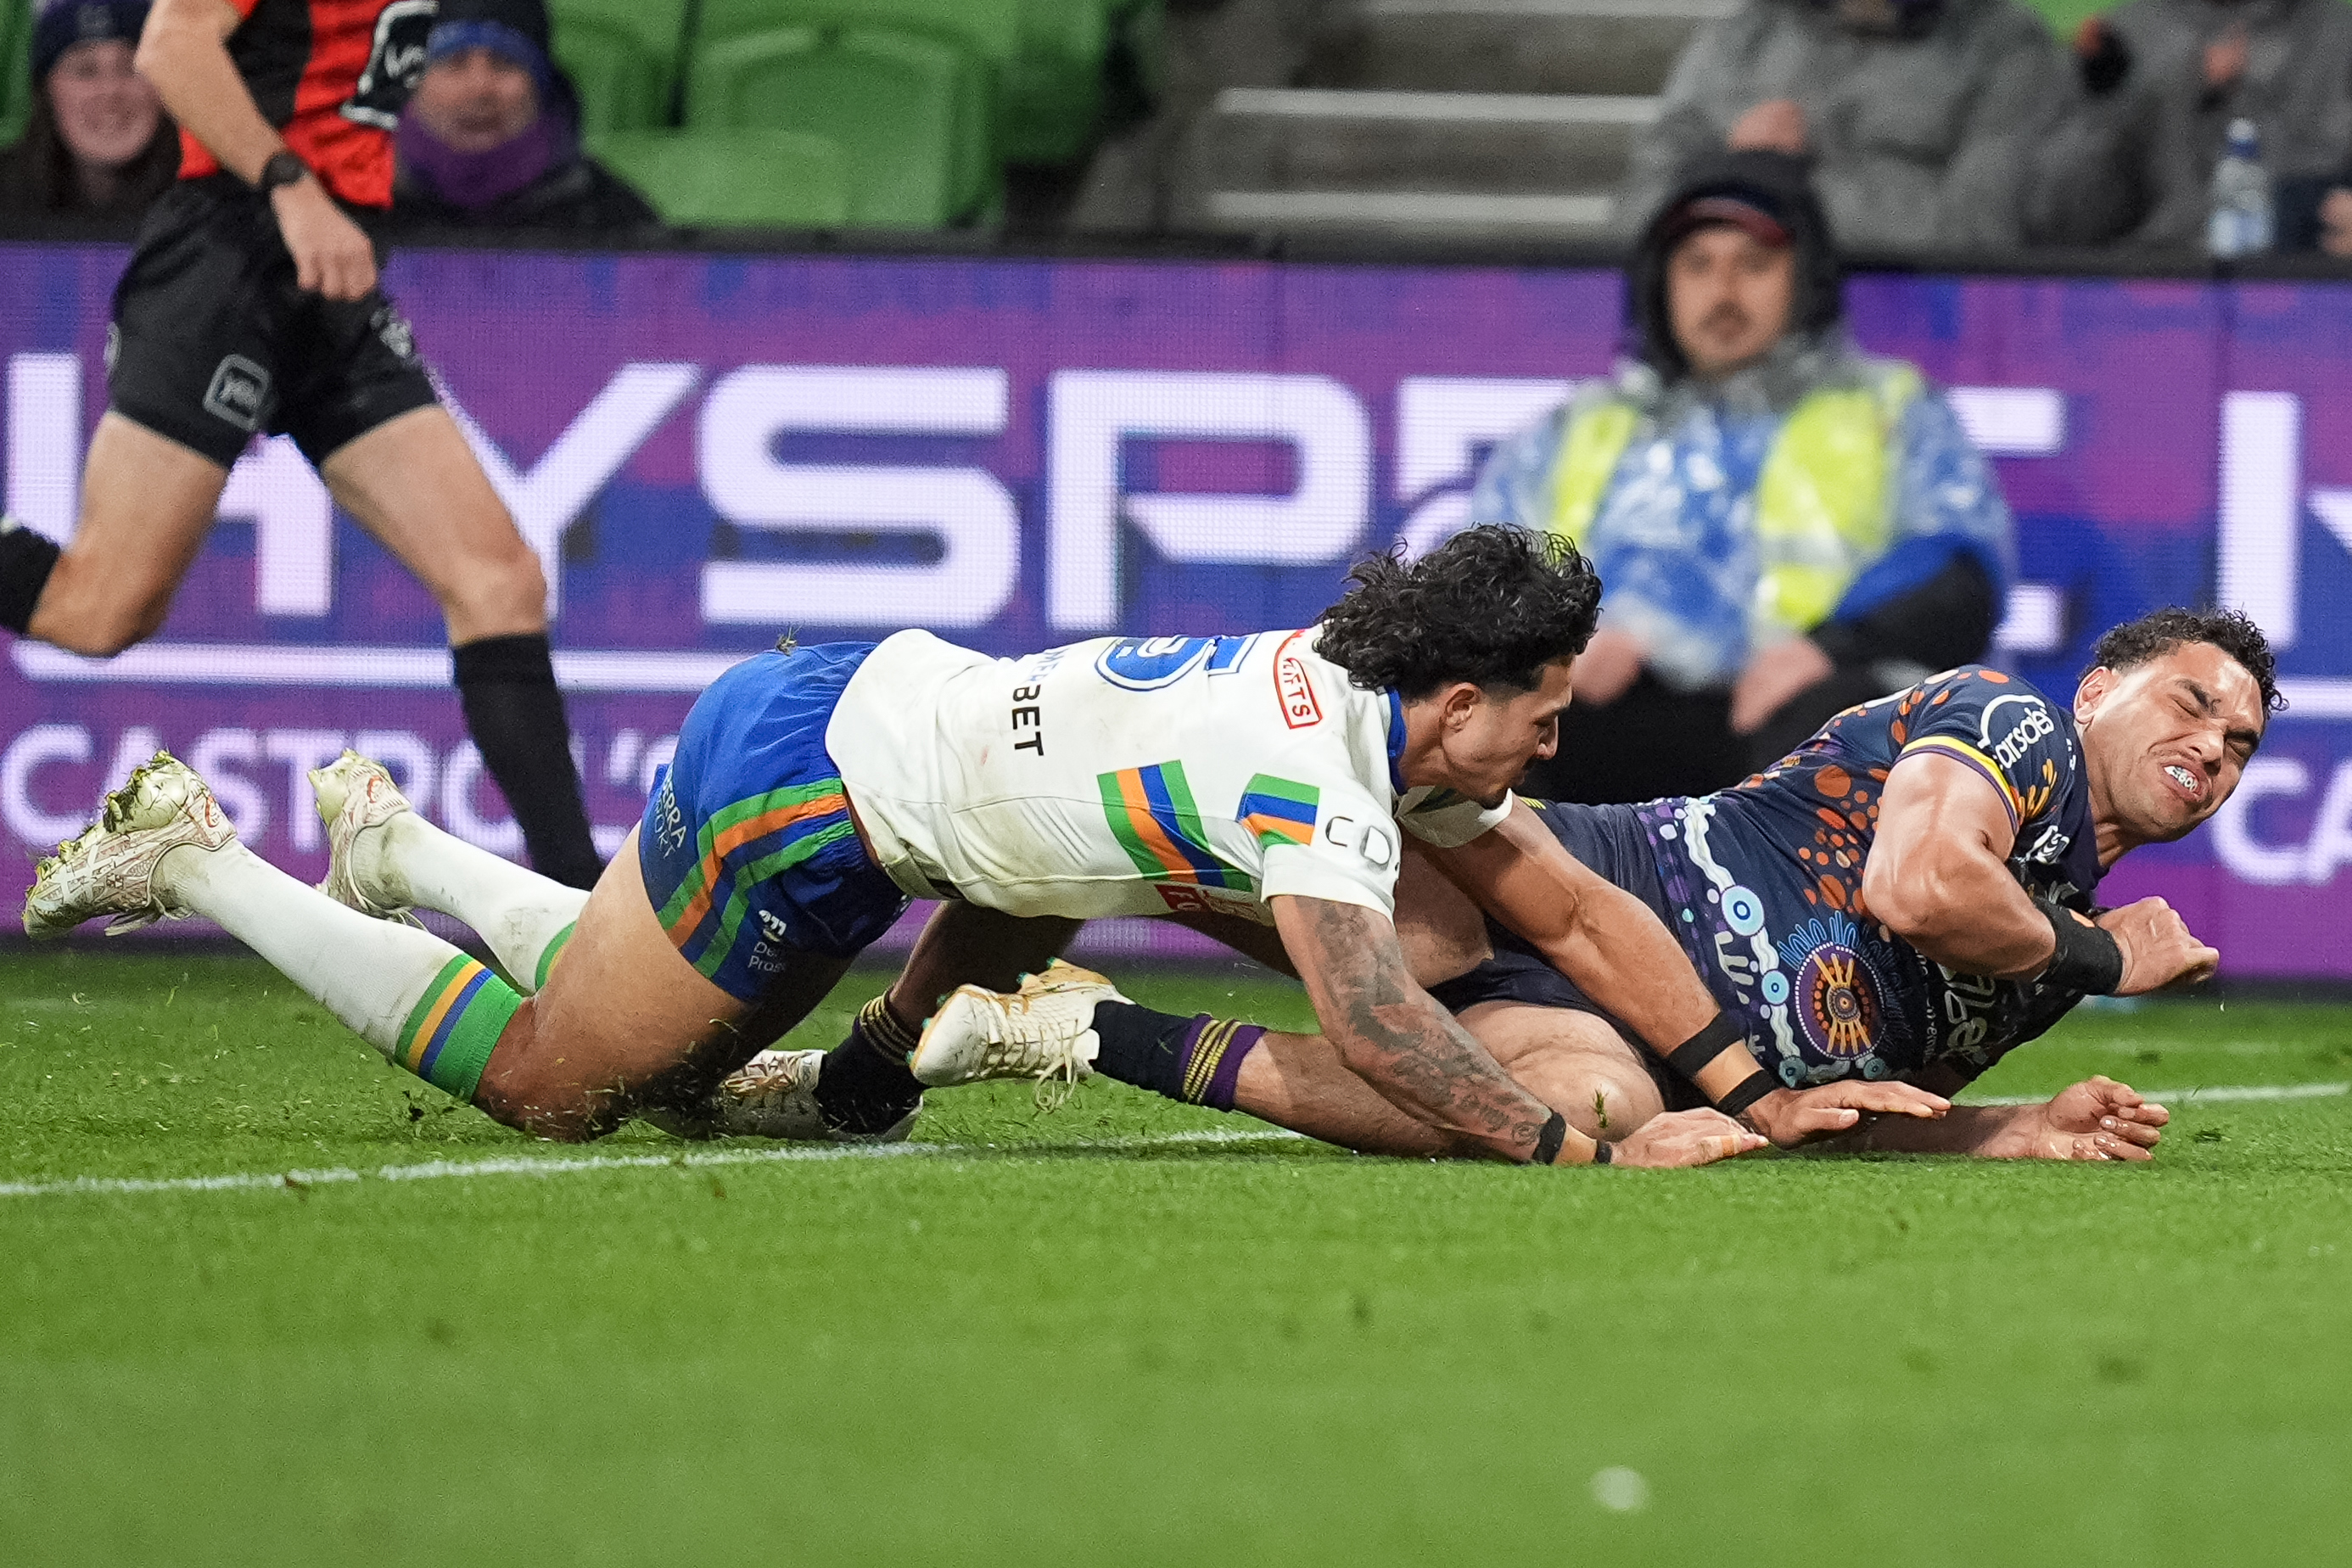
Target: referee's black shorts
(212, 343)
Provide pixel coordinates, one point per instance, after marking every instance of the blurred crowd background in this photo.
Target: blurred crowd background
(1943, 128)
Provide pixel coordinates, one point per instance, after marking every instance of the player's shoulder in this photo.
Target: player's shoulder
(1992, 701)
(2000, 725)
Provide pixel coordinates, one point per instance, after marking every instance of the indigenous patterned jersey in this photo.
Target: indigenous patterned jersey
(331, 76)
(1134, 776)
(1763, 883)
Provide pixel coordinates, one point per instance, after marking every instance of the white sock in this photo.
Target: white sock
(369, 973)
(523, 916)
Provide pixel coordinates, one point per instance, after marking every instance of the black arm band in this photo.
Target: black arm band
(1746, 1092)
(1691, 1057)
(1603, 1153)
(2088, 959)
(1547, 1141)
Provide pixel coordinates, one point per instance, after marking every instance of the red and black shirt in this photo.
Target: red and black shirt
(331, 76)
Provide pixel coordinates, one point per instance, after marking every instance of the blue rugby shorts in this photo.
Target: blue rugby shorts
(747, 847)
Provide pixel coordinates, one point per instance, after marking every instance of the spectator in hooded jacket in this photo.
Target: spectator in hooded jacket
(98, 144)
(1784, 526)
(491, 136)
(1918, 114)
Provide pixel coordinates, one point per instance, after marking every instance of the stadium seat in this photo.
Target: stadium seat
(16, 68)
(734, 179)
(1048, 56)
(623, 56)
(909, 111)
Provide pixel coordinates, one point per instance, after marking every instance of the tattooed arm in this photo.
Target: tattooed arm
(1389, 1032)
(1390, 1035)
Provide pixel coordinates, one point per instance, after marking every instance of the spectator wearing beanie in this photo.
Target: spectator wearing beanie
(490, 138)
(98, 143)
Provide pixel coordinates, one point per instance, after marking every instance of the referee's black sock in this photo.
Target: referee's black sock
(516, 714)
(27, 558)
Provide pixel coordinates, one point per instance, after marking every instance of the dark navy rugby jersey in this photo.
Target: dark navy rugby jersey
(1763, 884)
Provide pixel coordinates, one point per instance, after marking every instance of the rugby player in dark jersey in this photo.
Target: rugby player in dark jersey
(250, 305)
(1900, 903)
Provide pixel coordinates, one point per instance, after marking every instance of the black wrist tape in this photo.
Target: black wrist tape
(1547, 1141)
(1746, 1092)
(1603, 1153)
(1691, 1057)
(2088, 959)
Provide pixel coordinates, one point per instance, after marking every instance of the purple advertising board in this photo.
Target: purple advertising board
(708, 450)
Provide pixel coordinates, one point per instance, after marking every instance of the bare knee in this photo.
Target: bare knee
(102, 629)
(1612, 1100)
(496, 593)
(1573, 1062)
(530, 1085)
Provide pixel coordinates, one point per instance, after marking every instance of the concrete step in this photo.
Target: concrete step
(1309, 138)
(1621, 47)
(1420, 213)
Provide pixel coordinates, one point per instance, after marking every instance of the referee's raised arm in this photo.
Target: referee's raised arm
(183, 52)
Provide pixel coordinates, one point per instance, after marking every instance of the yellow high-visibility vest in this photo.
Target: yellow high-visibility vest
(1824, 500)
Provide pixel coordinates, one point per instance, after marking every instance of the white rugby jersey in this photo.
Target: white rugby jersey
(1134, 775)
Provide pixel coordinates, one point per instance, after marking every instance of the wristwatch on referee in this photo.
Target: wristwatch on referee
(281, 168)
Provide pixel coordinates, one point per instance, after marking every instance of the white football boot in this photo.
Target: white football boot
(354, 796)
(110, 868)
(774, 1095)
(1044, 1031)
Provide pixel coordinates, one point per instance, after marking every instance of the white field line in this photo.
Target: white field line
(442, 1170)
(2225, 1092)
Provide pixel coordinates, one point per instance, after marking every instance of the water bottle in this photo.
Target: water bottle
(2241, 224)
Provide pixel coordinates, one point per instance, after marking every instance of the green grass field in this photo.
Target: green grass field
(1076, 1339)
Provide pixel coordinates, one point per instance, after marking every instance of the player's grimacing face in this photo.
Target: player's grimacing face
(1492, 734)
(2166, 742)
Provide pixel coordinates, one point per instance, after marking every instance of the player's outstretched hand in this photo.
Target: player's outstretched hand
(1684, 1138)
(332, 257)
(2100, 1119)
(2158, 950)
(1792, 1116)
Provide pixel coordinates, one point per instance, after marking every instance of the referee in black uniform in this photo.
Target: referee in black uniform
(250, 305)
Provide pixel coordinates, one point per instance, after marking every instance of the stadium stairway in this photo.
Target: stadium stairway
(1471, 118)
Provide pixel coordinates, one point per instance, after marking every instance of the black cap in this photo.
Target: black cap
(1760, 192)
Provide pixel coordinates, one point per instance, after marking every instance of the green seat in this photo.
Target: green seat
(733, 179)
(909, 111)
(16, 68)
(624, 56)
(1048, 56)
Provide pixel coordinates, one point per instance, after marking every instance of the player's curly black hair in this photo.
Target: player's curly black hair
(2159, 631)
(1493, 606)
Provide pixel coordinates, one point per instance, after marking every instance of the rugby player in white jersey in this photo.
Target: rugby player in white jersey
(815, 790)
(1904, 898)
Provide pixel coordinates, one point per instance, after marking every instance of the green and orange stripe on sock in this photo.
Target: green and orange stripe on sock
(547, 955)
(456, 1025)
